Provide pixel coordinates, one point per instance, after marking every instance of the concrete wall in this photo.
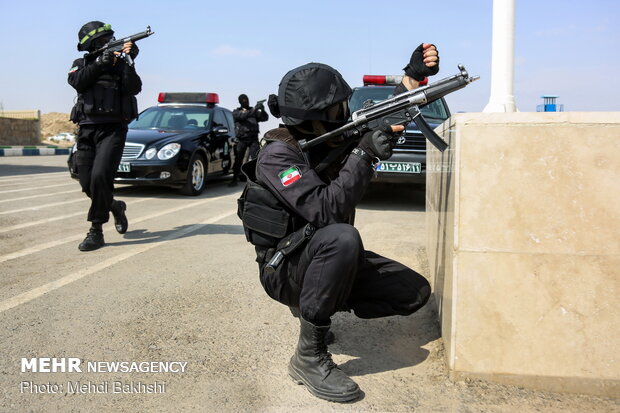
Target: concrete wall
(20, 131)
(523, 221)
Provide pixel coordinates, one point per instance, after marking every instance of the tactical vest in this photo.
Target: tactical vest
(104, 101)
(268, 224)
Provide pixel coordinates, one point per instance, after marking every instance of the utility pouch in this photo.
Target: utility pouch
(265, 220)
(77, 112)
(103, 98)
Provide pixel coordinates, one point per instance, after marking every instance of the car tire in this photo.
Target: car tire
(196, 174)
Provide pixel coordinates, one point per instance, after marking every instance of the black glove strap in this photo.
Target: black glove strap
(372, 160)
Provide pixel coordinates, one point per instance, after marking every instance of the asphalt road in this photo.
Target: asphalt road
(181, 288)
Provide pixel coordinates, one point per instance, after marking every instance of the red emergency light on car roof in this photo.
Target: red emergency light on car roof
(388, 80)
(185, 97)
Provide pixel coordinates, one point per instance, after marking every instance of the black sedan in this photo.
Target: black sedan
(179, 143)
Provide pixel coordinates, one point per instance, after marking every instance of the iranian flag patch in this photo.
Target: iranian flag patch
(289, 176)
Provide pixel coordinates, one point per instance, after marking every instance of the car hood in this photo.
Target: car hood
(150, 136)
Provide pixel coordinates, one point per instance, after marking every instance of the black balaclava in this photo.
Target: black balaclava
(93, 35)
(244, 101)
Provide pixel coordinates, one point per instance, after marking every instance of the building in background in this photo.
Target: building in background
(549, 104)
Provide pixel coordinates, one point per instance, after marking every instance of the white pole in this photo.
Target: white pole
(503, 57)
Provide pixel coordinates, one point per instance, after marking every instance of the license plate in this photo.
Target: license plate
(124, 167)
(400, 167)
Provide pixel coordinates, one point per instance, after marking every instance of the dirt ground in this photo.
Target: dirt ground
(181, 285)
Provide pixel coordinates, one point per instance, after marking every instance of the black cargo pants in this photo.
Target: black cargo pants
(99, 152)
(333, 272)
(240, 149)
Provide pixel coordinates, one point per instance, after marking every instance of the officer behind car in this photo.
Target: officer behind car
(246, 129)
(106, 103)
(297, 209)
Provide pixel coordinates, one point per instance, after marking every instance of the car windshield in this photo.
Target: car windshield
(434, 110)
(173, 118)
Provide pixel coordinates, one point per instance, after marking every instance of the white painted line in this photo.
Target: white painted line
(36, 187)
(37, 196)
(38, 207)
(34, 180)
(67, 279)
(52, 244)
(56, 218)
(47, 174)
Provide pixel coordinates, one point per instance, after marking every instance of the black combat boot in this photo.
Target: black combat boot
(313, 366)
(120, 219)
(94, 239)
(234, 181)
(330, 337)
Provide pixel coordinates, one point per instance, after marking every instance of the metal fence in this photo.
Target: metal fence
(21, 114)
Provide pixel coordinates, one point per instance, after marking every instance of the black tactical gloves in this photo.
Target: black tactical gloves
(133, 52)
(379, 143)
(416, 67)
(106, 58)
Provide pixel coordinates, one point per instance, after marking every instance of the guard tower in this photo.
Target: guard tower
(549, 104)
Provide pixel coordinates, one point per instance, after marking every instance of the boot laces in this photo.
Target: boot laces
(324, 356)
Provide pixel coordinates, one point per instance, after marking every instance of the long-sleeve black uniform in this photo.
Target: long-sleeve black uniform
(246, 131)
(106, 103)
(332, 271)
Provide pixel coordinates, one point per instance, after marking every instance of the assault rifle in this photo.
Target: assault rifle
(399, 110)
(116, 45)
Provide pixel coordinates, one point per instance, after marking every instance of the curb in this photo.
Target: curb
(32, 151)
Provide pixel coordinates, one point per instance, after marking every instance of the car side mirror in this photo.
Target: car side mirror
(220, 130)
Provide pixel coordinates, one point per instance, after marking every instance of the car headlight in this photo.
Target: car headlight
(169, 151)
(150, 153)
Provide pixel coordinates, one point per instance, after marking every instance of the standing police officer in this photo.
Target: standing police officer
(298, 208)
(246, 129)
(106, 103)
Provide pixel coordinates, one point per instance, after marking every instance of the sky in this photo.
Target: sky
(562, 47)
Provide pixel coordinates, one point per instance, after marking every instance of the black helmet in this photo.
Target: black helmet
(91, 31)
(309, 92)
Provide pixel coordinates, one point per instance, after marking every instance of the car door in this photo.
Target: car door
(220, 135)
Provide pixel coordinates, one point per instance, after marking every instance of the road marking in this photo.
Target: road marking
(36, 208)
(54, 285)
(36, 187)
(37, 196)
(23, 177)
(52, 244)
(56, 218)
(28, 180)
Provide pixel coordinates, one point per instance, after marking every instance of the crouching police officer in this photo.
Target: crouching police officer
(106, 103)
(297, 209)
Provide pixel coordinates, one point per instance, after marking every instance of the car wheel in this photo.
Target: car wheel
(196, 173)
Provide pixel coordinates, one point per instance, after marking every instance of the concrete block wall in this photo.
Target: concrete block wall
(20, 131)
(523, 224)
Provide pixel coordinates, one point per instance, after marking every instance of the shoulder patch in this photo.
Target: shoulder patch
(73, 69)
(289, 175)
